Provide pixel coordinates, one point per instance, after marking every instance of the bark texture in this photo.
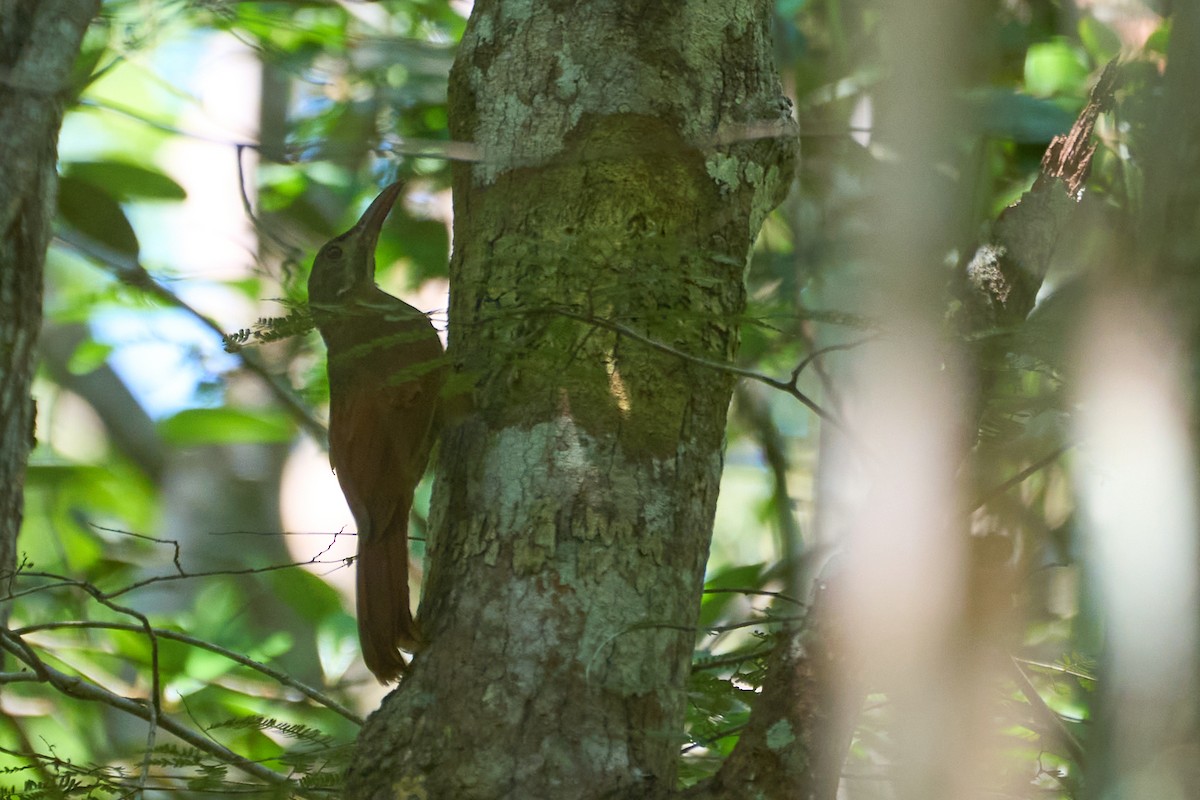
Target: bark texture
(39, 40)
(630, 153)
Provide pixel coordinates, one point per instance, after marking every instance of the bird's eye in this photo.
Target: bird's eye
(333, 251)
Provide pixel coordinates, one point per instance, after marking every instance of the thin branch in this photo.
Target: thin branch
(735, 730)
(693, 629)
(280, 677)
(154, 709)
(163, 127)
(63, 581)
(82, 689)
(469, 152)
(174, 543)
(106, 599)
(763, 592)
(132, 273)
(816, 358)
(27, 753)
(1074, 673)
(1047, 714)
(277, 533)
(719, 662)
(770, 619)
(290, 252)
(757, 411)
(1043, 462)
(824, 351)
(788, 386)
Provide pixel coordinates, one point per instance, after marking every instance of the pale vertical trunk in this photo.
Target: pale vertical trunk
(1135, 386)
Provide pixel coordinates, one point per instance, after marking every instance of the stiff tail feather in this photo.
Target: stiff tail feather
(385, 623)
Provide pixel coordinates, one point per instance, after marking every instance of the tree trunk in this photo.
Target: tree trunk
(39, 40)
(630, 153)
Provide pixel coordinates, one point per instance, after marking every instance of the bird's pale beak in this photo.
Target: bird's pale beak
(367, 229)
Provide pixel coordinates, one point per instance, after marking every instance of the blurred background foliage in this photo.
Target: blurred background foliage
(213, 144)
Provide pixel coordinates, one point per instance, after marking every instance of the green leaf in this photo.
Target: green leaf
(88, 357)
(95, 45)
(1098, 39)
(714, 604)
(424, 242)
(198, 426)
(1054, 68)
(304, 593)
(1158, 41)
(274, 645)
(126, 181)
(95, 213)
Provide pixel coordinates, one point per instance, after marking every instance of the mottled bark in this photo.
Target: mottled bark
(39, 40)
(1003, 277)
(631, 151)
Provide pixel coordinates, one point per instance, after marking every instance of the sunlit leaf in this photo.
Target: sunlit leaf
(722, 590)
(88, 356)
(1054, 68)
(424, 243)
(198, 426)
(1100, 41)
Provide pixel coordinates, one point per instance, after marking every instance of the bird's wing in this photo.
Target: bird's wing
(376, 439)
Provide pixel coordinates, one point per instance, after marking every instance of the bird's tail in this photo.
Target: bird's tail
(385, 623)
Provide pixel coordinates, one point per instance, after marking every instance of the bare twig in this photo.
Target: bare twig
(63, 581)
(280, 677)
(27, 752)
(174, 543)
(1047, 714)
(758, 592)
(154, 708)
(1043, 462)
(131, 272)
(290, 252)
(789, 386)
(816, 358)
(770, 619)
(154, 633)
(469, 152)
(757, 412)
(708, 741)
(77, 687)
(1074, 673)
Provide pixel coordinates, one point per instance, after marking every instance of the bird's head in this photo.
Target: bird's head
(346, 263)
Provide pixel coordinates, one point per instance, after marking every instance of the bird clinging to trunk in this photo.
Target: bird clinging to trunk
(385, 372)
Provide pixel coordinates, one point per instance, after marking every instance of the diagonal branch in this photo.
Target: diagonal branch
(789, 386)
(81, 689)
(162, 633)
(132, 273)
